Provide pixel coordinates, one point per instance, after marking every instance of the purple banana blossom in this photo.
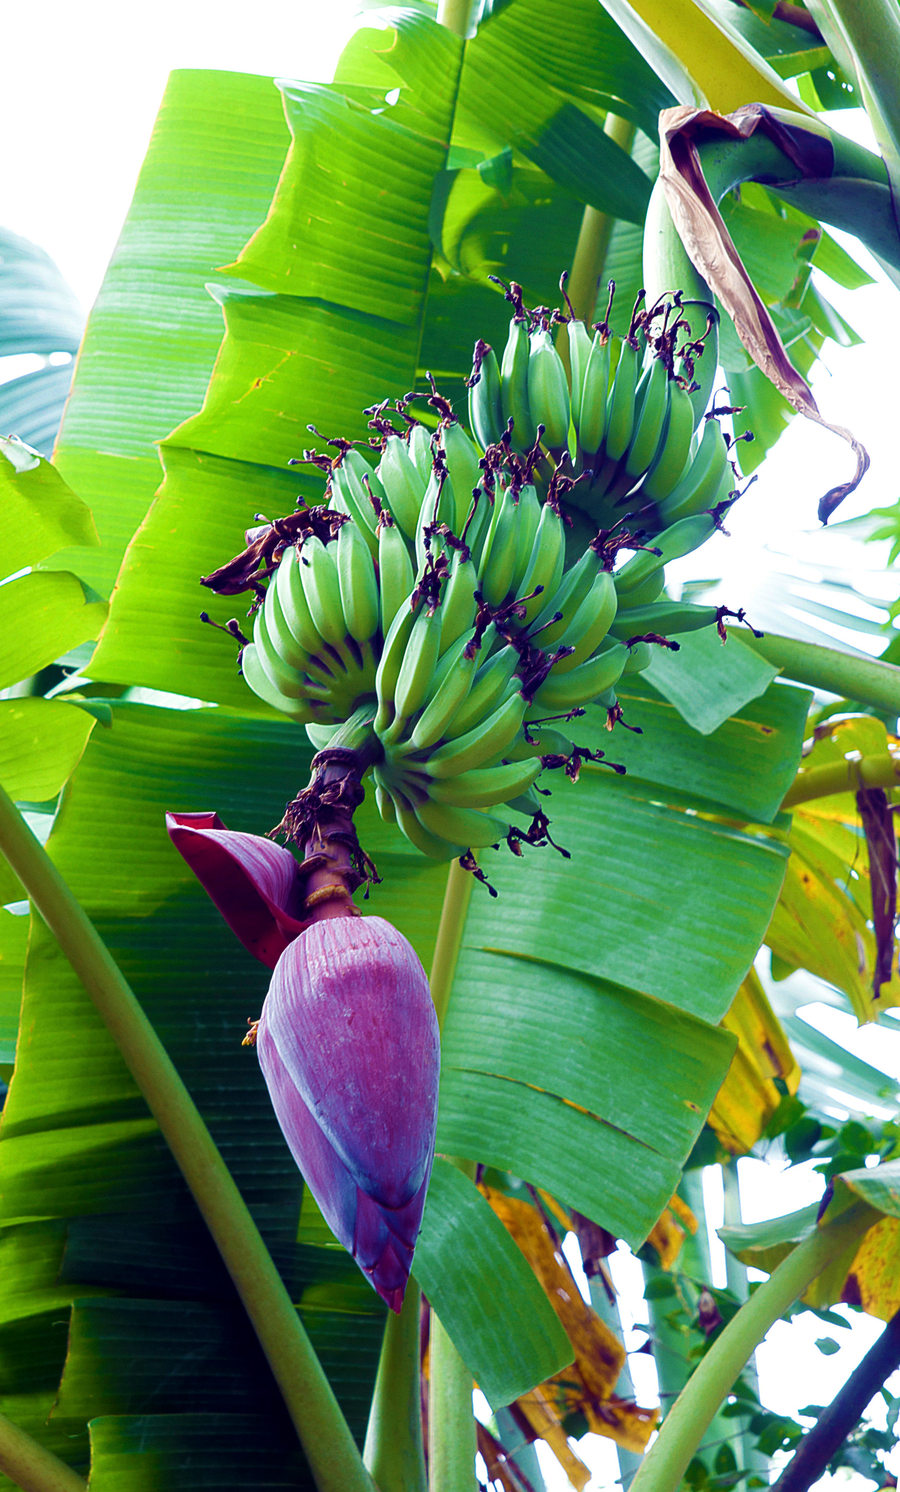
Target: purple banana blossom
(347, 1041)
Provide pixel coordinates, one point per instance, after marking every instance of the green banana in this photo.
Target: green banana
(590, 624)
(548, 390)
(674, 452)
(485, 786)
(458, 600)
(388, 672)
(396, 577)
(403, 486)
(420, 451)
(490, 687)
(546, 564)
(650, 419)
(527, 519)
(320, 735)
(701, 485)
(544, 742)
(461, 825)
(665, 618)
(417, 668)
(360, 601)
(498, 561)
(437, 507)
(485, 413)
(570, 593)
(639, 655)
(352, 481)
(463, 470)
(285, 679)
(673, 543)
(514, 401)
(594, 397)
(447, 695)
(482, 746)
(641, 595)
(580, 344)
(256, 678)
(322, 590)
(620, 405)
(294, 607)
(434, 845)
(582, 684)
(384, 802)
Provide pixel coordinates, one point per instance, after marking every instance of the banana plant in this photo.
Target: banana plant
(175, 1310)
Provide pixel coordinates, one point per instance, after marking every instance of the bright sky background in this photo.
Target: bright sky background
(81, 87)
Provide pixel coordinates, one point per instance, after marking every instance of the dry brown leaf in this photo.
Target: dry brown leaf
(711, 250)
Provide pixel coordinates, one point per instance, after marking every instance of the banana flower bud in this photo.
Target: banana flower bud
(347, 1042)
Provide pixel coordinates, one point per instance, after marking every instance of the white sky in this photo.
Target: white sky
(81, 87)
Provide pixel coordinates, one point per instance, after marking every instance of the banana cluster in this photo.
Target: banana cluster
(445, 587)
(622, 415)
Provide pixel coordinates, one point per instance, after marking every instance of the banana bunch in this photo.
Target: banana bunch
(623, 415)
(444, 587)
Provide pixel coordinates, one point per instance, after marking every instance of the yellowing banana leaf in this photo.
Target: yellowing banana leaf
(823, 920)
(749, 1097)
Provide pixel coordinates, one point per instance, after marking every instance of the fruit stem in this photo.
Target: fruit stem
(845, 776)
(452, 1442)
(334, 1460)
(320, 819)
(393, 1452)
(664, 1465)
(866, 681)
(31, 1466)
(593, 240)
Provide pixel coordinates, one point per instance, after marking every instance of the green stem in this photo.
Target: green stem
(683, 1428)
(330, 1450)
(394, 1453)
(30, 1466)
(594, 235)
(454, 15)
(865, 680)
(451, 1422)
(843, 777)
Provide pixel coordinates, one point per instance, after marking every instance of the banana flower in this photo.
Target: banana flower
(347, 1043)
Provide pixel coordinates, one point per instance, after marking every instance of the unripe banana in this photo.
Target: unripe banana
(458, 600)
(485, 786)
(420, 450)
(548, 390)
(527, 519)
(594, 397)
(360, 600)
(485, 412)
(320, 735)
(434, 845)
(590, 624)
(492, 684)
(482, 746)
(514, 400)
(294, 607)
(639, 656)
(437, 507)
(322, 590)
(665, 619)
(447, 695)
(571, 591)
(463, 470)
(701, 484)
(580, 343)
(396, 576)
(673, 543)
(461, 825)
(547, 562)
(352, 481)
(498, 562)
(403, 487)
(650, 420)
(256, 678)
(620, 405)
(645, 593)
(545, 741)
(280, 634)
(569, 690)
(417, 668)
(384, 802)
(674, 453)
(390, 663)
(286, 680)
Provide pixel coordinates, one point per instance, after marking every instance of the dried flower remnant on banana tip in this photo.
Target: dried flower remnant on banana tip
(347, 1039)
